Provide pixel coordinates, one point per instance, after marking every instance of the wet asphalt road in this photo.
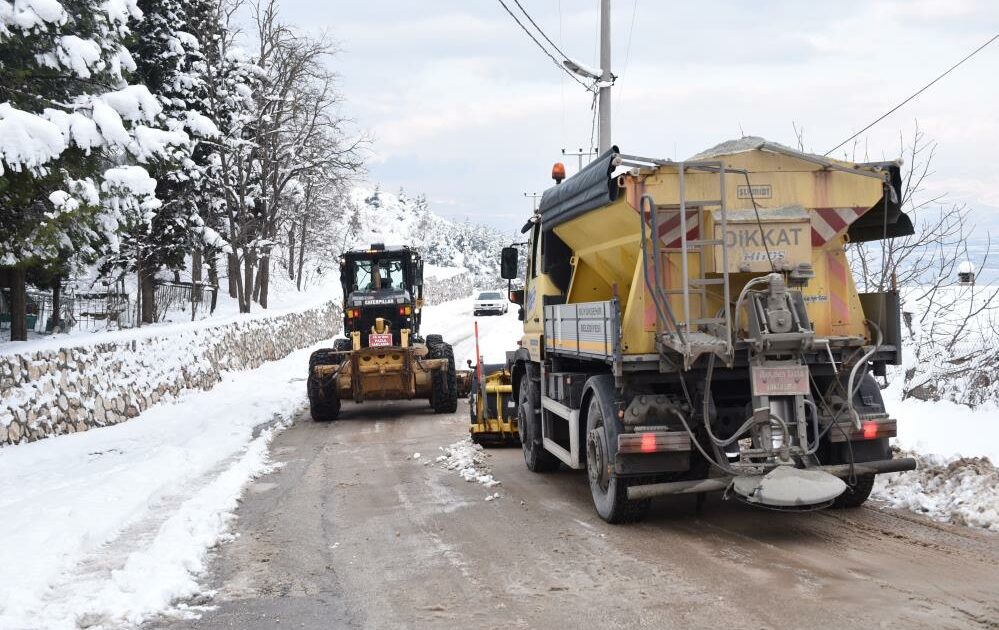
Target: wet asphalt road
(350, 533)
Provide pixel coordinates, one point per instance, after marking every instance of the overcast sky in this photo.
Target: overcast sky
(463, 107)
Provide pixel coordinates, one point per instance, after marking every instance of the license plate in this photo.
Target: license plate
(376, 340)
(780, 381)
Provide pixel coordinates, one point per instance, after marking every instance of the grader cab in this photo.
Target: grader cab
(383, 356)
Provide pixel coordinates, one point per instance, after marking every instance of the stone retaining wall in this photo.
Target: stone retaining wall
(52, 392)
(453, 288)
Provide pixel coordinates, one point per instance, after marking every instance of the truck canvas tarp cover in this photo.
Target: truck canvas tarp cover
(590, 188)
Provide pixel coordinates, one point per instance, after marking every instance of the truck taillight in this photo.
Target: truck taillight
(405, 310)
(870, 430)
(648, 442)
(353, 313)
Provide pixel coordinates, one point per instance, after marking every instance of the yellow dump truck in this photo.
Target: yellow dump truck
(694, 326)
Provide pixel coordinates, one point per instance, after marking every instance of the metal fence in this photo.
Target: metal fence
(108, 310)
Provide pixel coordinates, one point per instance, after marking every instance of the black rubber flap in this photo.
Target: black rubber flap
(590, 188)
(874, 225)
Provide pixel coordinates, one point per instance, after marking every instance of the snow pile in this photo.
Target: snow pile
(942, 428)
(962, 491)
(111, 527)
(469, 461)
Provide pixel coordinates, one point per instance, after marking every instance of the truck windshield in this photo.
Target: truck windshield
(388, 274)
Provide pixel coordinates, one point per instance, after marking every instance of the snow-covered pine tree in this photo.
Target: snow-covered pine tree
(68, 119)
(168, 62)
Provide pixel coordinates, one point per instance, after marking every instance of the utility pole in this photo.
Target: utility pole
(534, 200)
(580, 154)
(606, 78)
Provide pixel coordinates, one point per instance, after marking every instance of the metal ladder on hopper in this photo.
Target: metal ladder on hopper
(707, 334)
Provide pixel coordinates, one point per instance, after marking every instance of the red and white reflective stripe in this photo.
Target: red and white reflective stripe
(837, 274)
(669, 227)
(827, 223)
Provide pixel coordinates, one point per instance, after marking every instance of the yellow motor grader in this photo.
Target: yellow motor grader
(383, 357)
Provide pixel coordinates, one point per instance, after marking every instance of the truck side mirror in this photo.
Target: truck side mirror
(508, 263)
(517, 296)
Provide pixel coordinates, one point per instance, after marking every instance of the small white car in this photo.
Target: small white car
(490, 302)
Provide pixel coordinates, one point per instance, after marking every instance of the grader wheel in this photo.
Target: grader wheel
(444, 384)
(324, 404)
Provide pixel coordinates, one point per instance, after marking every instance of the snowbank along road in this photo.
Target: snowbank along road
(389, 518)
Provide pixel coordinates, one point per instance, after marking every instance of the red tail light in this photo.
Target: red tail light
(870, 430)
(648, 442)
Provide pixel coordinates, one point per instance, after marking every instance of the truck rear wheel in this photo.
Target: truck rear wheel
(324, 404)
(610, 494)
(529, 426)
(444, 383)
(857, 495)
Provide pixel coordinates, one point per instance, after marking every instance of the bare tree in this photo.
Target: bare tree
(293, 132)
(951, 327)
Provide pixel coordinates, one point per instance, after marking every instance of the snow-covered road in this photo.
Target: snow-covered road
(110, 526)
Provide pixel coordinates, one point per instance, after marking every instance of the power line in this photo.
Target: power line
(627, 50)
(541, 46)
(917, 93)
(539, 29)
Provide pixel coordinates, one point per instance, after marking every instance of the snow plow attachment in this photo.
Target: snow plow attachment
(491, 407)
(491, 404)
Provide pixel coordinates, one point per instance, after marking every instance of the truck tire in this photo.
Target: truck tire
(434, 340)
(610, 494)
(529, 426)
(857, 495)
(324, 404)
(444, 383)
(342, 345)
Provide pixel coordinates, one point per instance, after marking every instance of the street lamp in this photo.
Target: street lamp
(584, 71)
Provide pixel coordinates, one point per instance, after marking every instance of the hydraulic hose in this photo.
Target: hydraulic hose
(853, 373)
(745, 291)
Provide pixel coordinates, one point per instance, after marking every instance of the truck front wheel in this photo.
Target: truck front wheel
(529, 426)
(610, 493)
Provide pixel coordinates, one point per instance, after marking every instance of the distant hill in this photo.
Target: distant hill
(376, 216)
